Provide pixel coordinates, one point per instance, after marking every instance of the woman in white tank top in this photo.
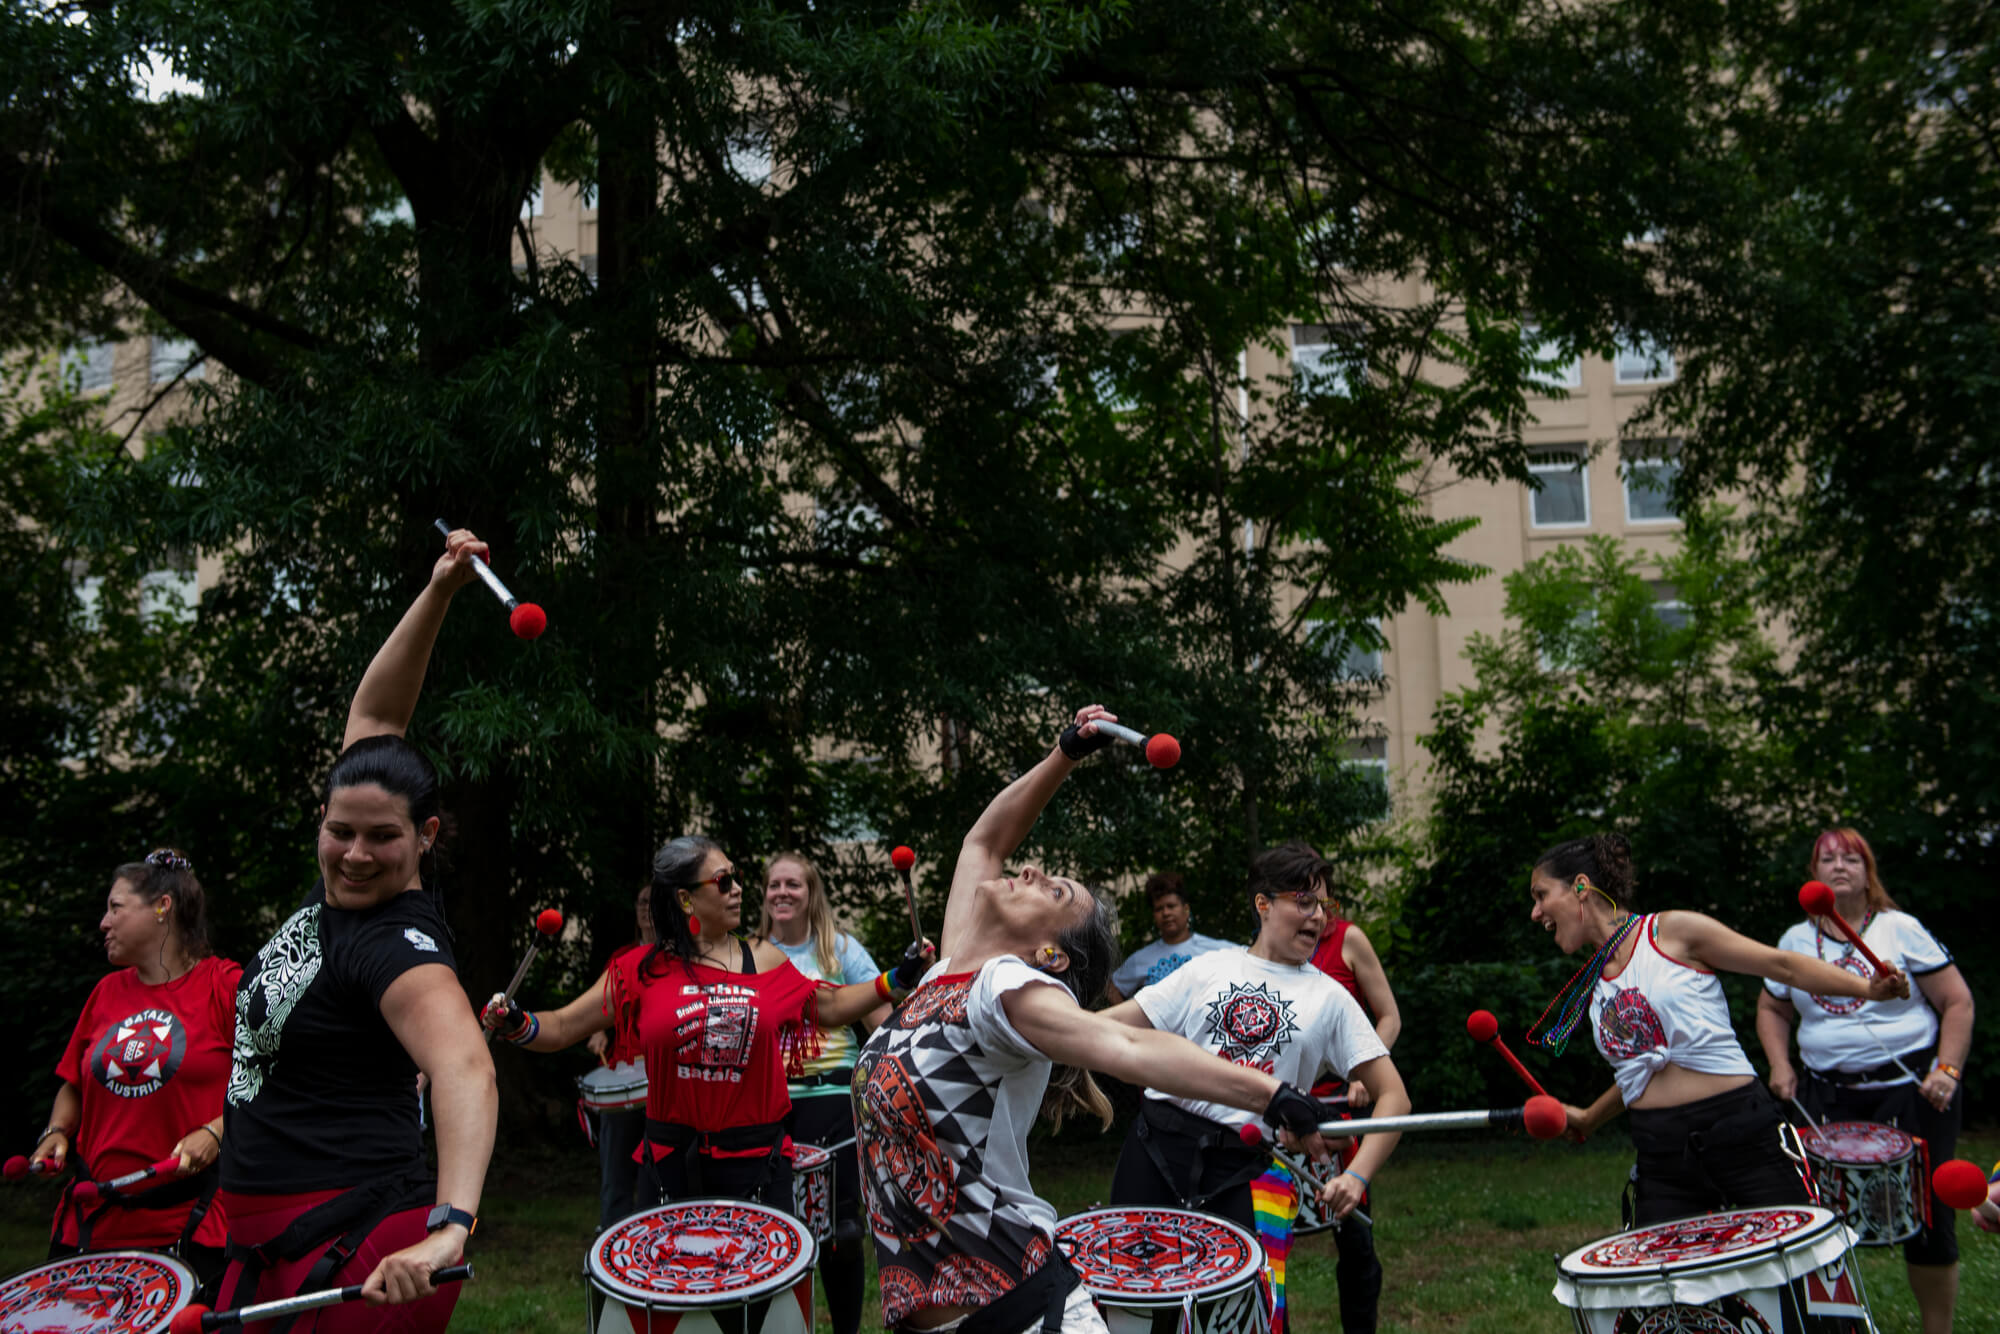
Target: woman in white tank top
(1705, 1129)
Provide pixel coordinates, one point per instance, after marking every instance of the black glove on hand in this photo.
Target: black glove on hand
(1292, 1110)
(1077, 746)
(910, 971)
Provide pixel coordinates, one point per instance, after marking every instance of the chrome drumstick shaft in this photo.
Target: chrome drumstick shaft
(1383, 1125)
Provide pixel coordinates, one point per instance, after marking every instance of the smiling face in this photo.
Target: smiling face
(786, 892)
(133, 928)
(716, 898)
(1293, 922)
(368, 848)
(1170, 917)
(1560, 910)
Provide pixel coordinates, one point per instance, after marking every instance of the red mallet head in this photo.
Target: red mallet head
(187, 1320)
(528, 621)
(16, 1168)
(1481, 1026)
(902, 858)
(1816, 897)
(1162, 751)
(1960, 1184)
(1251, 1134)
(549, 921)
(1544, 1117)
(86, 1192)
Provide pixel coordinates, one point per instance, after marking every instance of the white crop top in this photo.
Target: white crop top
(1659, 1010)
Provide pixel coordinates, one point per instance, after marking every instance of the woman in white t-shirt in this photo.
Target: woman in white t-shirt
(1895, 1061)
(946, 1089)
(797, 917)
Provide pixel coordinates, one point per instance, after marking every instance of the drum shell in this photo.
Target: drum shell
(1749, 1271)
(812, 1190)
(1872, 1175)
(613, 1088)
(105, 1292)
(1234, 1300)
(619, 1304)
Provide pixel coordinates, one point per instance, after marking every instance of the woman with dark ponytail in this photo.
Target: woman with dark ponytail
(1706, 1131)
(143, 1074)
(323, 1171)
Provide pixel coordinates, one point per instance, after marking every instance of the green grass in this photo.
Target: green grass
(1468, 1235)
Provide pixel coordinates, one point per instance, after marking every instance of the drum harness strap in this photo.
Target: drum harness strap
(200, 1188)
(348, 1218)
(1160, 1123)
(730, 1142)
(1045, 1291)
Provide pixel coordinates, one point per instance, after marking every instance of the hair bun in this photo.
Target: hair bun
(168, 858)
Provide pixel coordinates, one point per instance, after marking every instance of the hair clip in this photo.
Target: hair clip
(169, 859)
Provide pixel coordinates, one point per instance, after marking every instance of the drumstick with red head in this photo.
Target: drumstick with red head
(525, 618)
(198, 1319)
(1816, 897)
(19, 1166)
(1162, 751)
(1542, 1116)
(88, 1191)
(548, 924)
(1960, 1184)
(903, 858)
(1483, 1027)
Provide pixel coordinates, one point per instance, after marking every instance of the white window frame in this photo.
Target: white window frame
(1642, 362)
(1625, 479)
(1380, 765)
(96, 364)
(167, 362)
(1327, 370)
(1539, 348)
(1580, 463)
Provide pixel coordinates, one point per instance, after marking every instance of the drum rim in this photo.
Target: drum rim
(802, 1163)
(1825, 1220)
(173, 1266)
(783, 1281)
(1812, 1136)
(1255, 1265)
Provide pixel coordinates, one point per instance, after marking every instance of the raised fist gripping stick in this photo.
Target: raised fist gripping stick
(1162, 751)
(1483, 1027)
(198, 1319)
(548, 924)
(525, 618)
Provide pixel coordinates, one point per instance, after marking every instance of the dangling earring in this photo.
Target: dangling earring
(694, 923)
(1047, 956)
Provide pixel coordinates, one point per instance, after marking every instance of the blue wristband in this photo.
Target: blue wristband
(1350, 1172)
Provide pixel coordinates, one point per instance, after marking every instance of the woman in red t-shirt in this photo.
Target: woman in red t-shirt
(723, 1024)
(144, 1072)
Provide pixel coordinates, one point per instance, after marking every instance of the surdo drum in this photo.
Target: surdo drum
(1158, 1271)
(1875, 1176)
(703, 1267)
(1753, 1271)
(110, 1292)
(613, 1088)
(812, 1190)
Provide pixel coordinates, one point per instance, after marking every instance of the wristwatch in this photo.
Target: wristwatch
(444, 1215)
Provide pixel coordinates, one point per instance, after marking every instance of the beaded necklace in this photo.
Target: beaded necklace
(1846, 946)
(1573, 1002)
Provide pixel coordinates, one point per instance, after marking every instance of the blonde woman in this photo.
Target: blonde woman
(797, 918)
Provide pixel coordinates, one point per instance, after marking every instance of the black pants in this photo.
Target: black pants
(618, 1136)
(827, 1119)
(1211, 1172)
(690, 1173)
(1718, 1153)
(1902, 1106)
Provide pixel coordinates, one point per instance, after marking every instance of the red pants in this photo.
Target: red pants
(254, 1219)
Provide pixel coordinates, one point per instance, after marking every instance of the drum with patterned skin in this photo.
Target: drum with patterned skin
(1779, 1270)
(613, 1088)
(110, 1292)
(1875, 1176)
(812, 1190)
(703, 1267)
(1158, 1271)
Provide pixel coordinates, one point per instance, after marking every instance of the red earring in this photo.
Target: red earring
(694, 926)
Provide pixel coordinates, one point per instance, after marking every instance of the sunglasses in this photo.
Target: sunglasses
(722, 880)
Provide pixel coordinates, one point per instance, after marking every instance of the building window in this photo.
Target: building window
(1649, 489)
(1643, 361)
(1554, 369)
(92, 362)
(1369, 761)
(1324, 360)
(1360, 649)
(1668, 607)
(1563, 497)
(175, 358)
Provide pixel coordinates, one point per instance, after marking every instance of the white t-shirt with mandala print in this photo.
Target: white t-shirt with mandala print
(944, 1095)
(1846, 1032)
(1288, 1020)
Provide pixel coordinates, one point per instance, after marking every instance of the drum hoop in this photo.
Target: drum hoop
(1234, 1282)
(650, 1299)
(1825, 1220)
(173, 1268)
(1815, 1139)
(807, 1157)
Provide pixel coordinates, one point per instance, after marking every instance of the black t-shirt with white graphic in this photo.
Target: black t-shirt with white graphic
(321, 1094)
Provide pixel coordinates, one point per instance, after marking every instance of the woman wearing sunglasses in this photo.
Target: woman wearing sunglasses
(1271, 1008)
(723, 1024)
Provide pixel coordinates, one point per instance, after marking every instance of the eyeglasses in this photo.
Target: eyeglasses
(1310, 903)
(722, 880)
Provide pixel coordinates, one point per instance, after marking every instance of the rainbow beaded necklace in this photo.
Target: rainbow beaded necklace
(1573, 1001)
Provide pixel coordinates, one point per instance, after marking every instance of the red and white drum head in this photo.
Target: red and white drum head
(1857, 1142)
(112, 1292)
(1691, 1243)
(701, 1253)
(1158, 1254)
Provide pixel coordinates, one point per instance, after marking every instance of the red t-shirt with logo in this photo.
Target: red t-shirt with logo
(151, 1063)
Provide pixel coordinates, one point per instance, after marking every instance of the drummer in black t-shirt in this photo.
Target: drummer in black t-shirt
(323, 1168)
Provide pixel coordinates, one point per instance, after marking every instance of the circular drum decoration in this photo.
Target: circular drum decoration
(701, 1253)
(1691, 1241)
(1857, 1142)
(1158, 1252)
(111, 1292)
